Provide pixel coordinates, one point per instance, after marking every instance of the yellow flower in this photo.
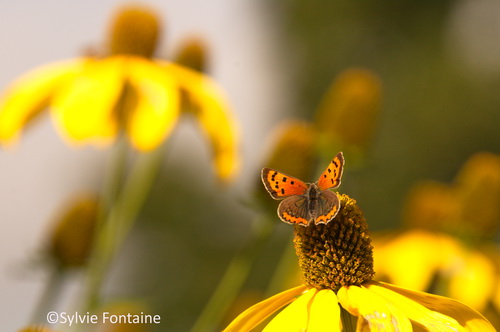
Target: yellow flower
(410, 260)
(469, 210)
(93, 100)
(478, 193)
(339, 294)
(293, 148)
(378, 306)
(348, 112)
(37, 328)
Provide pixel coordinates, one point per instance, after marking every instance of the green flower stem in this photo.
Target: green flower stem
(49, 297)
(286, 265)
(234, 277)
(122, 212)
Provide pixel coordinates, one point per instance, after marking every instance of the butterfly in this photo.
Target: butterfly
(303, 202)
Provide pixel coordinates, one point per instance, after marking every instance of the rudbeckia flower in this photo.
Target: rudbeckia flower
(339, 293)
(457, 221)
(36, 329)
(95, 99)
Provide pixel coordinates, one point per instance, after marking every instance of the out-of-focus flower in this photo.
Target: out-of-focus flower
(430, 205)
(478, 193)
(123, 314)
(71, 240)
(409, 259)
(450, 225)
(37, 328)
(95, 99)
(193, 54)
(339, 294)
(347, 115)
(292, 151)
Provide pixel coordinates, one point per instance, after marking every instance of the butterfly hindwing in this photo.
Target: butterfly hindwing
(294, 210)
(331, 176)
(327, 207)
(280, 185)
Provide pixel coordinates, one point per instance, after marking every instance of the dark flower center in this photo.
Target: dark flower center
(336, 254)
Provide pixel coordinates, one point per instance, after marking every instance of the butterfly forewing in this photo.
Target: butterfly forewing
(332, 174)
(280, 185)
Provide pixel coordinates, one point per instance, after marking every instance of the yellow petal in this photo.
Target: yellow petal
(324, 312)
(470, 319)
(380, 315)
(157, 108)
(434, 321)
(213, 114)
(293, 318)
(30, 94)
(410, 259)
(473, 281)
(85, 109)
(254, 315)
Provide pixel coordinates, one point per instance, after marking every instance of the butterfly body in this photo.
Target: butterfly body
(303, 202)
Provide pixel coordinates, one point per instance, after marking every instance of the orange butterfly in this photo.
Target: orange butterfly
(304, 203)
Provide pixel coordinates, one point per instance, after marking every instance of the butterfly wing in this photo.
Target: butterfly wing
(294, 210)
(327, 207)
(332, 174)
(280, 185)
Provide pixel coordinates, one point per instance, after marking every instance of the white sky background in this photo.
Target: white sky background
(41, 173)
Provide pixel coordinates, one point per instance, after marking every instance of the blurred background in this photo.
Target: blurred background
(438, 65)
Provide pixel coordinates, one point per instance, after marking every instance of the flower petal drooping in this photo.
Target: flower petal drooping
(432, 320)
(214, 116)
(156, 109)
(30, 94)
(467, 318)
(84, 108)
(380, 315)
(254, 315)
(324, 314)
(293, 318)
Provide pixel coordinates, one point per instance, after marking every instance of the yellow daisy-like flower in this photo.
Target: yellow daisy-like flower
(95, 99)
(339, 294)
(36, 329)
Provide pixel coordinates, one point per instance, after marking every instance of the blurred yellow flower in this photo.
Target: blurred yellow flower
(442, 252)
(37, 328)
(95, 99)
(415, 258)
(339, 294)
(293, 148)
(348, 112)
(478, 193)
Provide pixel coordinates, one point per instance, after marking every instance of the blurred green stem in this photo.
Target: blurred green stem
(285, 266)
(234, 277)
(122, 205)
(49, 296)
